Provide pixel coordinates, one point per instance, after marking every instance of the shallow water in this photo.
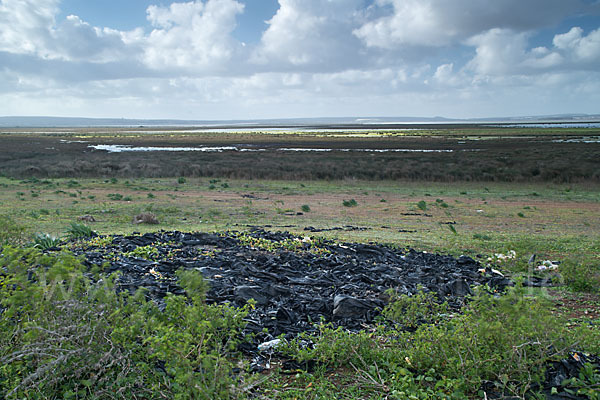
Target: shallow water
(117, 148)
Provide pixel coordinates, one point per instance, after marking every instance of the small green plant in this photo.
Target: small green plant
(115, 196)
(305, 208)
(452, 229)
(44, 241)
(146, 252)
(151, 196)
(412, 311)
(350, 203)
(79, 231)
(44, 211)
(422, 205)
(225, 185)
(520, 214)
(127, 198)
(181, 180)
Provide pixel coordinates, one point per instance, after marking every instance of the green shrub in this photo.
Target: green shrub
(412, 311)
(350, 203)
(63, 335)
(505, 340)
(422, 205)
(79, 231)
(115, 196)
(181, 180)
(305, 208)
(44, 241)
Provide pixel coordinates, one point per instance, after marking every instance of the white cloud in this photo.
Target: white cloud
(25, 24)
(439, 23)
(311, 34)
(582, 48)
(191, 35)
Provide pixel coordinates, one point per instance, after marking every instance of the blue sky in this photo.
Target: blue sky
(246, 59)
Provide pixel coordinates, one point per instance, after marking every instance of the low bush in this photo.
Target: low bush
(66, 335)
(350, 203)
(79, 231)
(500, 343)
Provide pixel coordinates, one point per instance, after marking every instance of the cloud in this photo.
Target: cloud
(505, 52)
(192, 35)
(582, 48)
(436, 23)
(311, 35)
(25, 25)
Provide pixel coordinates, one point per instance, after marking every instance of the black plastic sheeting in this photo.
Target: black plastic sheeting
(344, 285)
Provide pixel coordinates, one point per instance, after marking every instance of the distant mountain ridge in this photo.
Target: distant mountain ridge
(70, 122)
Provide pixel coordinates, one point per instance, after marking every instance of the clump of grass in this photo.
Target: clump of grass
(79, 231)
(115, 196)
(520, 214)
(350, 203)
(181, 180)
(422, 205)
(305, 208)
(44, 241)
(151, 196)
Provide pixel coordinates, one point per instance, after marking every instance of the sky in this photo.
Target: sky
(260, 59)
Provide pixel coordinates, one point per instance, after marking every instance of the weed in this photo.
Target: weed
(520, 214)
(181, 180)
(79, 231)
(44, 241)
(350, 203)
(115, 196)
(422, 205)
(151, 196)
(305, 208)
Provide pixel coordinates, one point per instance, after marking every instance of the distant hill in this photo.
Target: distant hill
(33, 122)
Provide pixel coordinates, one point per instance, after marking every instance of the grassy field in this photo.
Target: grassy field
(550, 220)
(556, 220)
